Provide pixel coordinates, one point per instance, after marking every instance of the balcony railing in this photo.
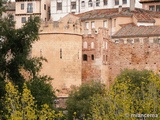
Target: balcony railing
(29, 10)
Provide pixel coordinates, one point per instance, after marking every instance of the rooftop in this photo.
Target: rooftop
(131, 30)
(149, 1)
(140, 14)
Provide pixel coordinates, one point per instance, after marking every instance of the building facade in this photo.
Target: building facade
(153, 5)
(60, 8)
(25, 8)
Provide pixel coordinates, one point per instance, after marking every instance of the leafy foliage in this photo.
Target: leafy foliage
(17, 65)
(134, 92)
(28, 104)
(23, 106)
(11, 101)
(79, 101)
(42, 90)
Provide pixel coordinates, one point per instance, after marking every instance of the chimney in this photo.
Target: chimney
(132, 5)
(120, 9)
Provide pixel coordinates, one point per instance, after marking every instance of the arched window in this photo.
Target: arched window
(92, 45)
(85, 44)
(84, 57)
(92, 56)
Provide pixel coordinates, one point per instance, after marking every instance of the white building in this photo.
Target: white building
(60, 8)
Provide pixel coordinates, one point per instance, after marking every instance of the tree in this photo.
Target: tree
(47, 113)
(79, 100)
(42, 90)
(99, 108)
(23, 106)
(15, 50)
(11, 103)
(134, 92)
(28, 104)
(17, 65)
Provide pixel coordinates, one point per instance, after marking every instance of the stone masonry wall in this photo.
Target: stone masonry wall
(63, 53)
(142, 53)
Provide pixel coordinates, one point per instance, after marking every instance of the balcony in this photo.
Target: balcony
(29, 10)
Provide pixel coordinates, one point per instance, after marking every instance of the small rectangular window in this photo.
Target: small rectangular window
(152, 8)
(22, 6)
(83, 4)
(116, 2)
(44, 6)
(92, 24)
(124, 1)
(23, 19)
(29, 8)
(73, 5)
(90, 4)
(85, 57)
(105, 2)
(158, 8)
(105, 24)
(92, 56)
(60, 53)
(87, 25)
(97, 3)
(59, 5)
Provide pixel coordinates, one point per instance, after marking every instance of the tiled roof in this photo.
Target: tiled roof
(148, 1)
(140, 14)
(131, 30)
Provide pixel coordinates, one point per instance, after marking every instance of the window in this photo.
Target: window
(92, 24)
(105, 2)
(105, 24)
(60, 53)
(103, 57)
(124, 1)
(106, 45)
(114, 22)
(152, 8)
(44, 6)
(29, 8)
(90, 4)
(22, 6)
(86, 25)
(158, 8)
(97, 3)
(23, 19)
(59, 5)
(84, 57)
(116, 2)
(92, 56)
(73, 5)
(85, 44)
(83, 4)
(92, 45)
